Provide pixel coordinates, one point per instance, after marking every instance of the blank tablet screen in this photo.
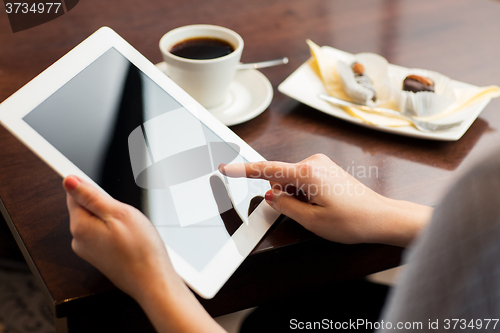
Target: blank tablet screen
(145, 149)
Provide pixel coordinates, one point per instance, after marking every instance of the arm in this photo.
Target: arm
(123, 244)
(328, 201)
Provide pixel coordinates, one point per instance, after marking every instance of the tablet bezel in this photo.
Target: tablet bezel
(213, 276)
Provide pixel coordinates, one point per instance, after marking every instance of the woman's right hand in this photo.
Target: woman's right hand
(336, 206)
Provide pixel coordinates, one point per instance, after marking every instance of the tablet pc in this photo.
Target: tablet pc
(105, 113)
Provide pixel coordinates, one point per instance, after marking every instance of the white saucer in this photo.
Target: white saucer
(249, 95)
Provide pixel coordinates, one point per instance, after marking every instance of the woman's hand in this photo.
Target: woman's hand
(328, 201)
(125, 246)
(116, 238)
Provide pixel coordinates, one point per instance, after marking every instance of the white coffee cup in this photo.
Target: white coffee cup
(205, 80)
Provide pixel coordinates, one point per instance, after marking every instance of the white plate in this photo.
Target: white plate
(249, 95)
(304, 85)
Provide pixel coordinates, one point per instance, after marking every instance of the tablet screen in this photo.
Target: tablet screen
(147, 150)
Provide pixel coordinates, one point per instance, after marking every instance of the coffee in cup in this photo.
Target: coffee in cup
(202, 60)
(202, 48)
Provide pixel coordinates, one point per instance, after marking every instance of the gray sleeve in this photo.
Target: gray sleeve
(453, 268)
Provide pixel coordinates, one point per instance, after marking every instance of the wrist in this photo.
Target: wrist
(402, 221)
(172, 307)
(156, 286)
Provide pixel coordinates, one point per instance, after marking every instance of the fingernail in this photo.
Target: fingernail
(221, 168)
(70, 183)
(269, 197)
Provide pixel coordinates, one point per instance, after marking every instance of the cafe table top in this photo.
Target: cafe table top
(458, 38)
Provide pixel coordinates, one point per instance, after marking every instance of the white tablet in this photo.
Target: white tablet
(105, 113)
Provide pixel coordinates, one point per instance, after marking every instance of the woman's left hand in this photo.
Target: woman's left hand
(117, 239)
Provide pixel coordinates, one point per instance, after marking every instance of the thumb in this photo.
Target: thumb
(289, 205)
(89, 197)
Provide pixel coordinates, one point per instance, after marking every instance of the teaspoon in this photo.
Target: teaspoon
(423, 126)
(263, 64)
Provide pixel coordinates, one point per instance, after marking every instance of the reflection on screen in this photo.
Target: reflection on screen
(145, 149)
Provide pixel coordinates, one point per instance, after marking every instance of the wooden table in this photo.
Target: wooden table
(455, 37)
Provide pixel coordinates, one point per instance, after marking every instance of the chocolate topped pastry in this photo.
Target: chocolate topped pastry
(417, 83)
(362, 79)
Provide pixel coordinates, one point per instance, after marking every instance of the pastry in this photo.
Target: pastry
(362, 79)
(355, 83)
(417, 83)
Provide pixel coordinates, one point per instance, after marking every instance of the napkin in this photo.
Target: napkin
(325, 67)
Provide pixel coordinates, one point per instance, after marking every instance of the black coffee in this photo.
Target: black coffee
(202, 48)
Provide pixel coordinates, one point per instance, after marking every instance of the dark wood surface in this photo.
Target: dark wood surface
(455, 37)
